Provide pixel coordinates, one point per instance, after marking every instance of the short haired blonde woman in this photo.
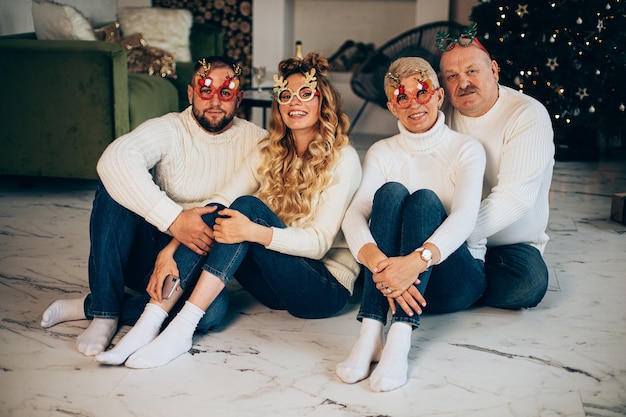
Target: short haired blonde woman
(408, 223)
(282, 237)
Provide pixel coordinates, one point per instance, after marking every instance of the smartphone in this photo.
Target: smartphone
(169, 286)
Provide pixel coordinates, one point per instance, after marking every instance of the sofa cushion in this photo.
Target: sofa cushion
(167, 29)
(60, 22)
(148, 97)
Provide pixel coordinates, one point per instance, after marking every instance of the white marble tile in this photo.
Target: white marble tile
(562, 358)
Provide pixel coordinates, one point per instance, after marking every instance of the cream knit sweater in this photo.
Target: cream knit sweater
(518, 138)
(170, 163)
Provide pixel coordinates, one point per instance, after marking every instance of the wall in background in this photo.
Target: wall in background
(324, 25)
(134, 3)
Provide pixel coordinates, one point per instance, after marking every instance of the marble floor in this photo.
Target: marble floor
(563, 358)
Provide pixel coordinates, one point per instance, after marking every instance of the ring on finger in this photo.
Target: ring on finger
(388, 290)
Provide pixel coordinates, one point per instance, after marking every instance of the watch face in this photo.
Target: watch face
(427, 255)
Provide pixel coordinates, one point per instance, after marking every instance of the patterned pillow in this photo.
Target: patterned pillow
(60, 22)
(109, 33)
(148, 59)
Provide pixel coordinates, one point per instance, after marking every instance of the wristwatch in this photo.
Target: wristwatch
(426, 255)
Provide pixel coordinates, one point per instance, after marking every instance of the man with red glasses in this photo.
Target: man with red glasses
(155, 183)
(517, 135)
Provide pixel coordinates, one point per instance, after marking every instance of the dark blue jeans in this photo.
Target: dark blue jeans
(123, 251)
(517, 277)
(302, 286)
(400, 223)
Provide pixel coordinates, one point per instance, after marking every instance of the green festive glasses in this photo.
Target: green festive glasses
(445, 41)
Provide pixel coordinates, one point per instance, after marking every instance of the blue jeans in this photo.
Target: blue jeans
(302, 286)
(517, 277)
(400, 223)
(123, 251)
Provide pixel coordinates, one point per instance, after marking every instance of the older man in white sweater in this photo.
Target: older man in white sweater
(155, 183)
(517, 135)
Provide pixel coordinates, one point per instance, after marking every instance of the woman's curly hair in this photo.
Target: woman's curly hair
(291, 185)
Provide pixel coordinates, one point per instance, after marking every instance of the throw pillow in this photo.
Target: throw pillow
(133, 41)
(109, 33)
(60, 22)
(148, 59)
(151, 60)
(167, 29)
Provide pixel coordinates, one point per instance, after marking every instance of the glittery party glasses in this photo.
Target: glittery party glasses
(304, 93)
(446, 41)
(224, 92)
(403, 100)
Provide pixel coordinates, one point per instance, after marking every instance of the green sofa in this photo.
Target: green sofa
(63, 102)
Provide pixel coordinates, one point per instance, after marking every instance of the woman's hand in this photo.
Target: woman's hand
(395, 275)
(235, 227)
(163, 266)
(411, 301)
(396, 278)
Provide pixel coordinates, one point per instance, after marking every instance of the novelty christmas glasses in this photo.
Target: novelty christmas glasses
(424, 91)
(206, 89)
(446, 41)
(283, 94)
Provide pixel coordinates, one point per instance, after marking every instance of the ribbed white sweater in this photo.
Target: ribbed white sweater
(170, 163)
(518, 138)
(441, 160)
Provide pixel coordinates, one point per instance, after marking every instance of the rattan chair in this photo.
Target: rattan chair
(367, 81)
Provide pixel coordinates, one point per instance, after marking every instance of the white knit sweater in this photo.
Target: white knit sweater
(319, 237)
(518, 138)
(170, 163)
(446, 162)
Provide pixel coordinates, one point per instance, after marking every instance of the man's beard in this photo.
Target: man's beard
(213, 127)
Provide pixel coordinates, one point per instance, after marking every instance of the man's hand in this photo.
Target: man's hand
(164, 265)
(190, 230)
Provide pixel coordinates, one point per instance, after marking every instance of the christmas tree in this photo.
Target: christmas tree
(568, 54)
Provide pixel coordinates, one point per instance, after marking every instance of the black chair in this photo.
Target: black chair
(367, 81)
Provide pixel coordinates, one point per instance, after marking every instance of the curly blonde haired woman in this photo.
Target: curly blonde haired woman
(281, 233)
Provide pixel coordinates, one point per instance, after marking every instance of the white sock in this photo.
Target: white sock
(391, 371)
(142, 333)
(366, 350)
(63, 310)
(172, 342)
(97, 336)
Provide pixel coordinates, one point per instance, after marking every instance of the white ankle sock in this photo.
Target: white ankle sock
(97, 336)
(175, 340)
(391, 371)
(366, 350)
(142, 333)
(63, 310)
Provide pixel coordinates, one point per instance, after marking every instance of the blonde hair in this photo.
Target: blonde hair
(407, 66)
(291, 185)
